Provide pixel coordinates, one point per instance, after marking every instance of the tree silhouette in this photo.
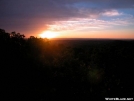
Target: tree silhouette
(4, 36)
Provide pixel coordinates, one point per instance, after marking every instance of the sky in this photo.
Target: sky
(69, 18)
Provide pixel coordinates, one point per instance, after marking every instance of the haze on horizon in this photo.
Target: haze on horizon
(69, 18)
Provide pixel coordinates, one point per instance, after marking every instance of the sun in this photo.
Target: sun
(48, 34)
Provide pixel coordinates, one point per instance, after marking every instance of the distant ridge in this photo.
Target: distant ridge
(91, 39)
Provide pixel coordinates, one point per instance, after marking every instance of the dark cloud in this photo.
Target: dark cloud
(54, 8)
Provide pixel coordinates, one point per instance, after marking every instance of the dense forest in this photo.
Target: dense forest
(42, 69)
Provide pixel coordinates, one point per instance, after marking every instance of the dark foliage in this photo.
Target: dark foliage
(39, 69)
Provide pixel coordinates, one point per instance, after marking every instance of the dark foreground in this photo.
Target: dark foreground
(41, 69)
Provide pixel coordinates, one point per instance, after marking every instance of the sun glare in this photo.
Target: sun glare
(48, 34)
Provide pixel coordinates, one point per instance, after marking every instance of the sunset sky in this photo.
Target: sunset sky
(69, 18)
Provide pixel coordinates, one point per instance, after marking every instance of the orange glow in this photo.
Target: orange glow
(48, 34)
(97, 34)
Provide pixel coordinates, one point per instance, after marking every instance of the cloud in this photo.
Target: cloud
(111, 13)
(30, 14)
(91, 24)
(58, 8)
